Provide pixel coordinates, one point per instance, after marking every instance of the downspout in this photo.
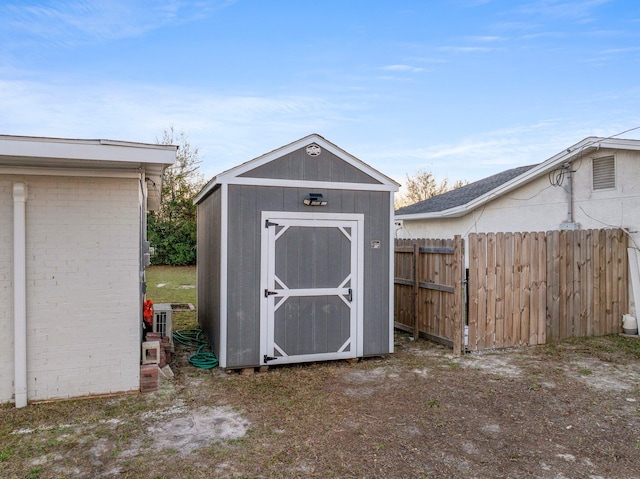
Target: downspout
(144, 249)
(143, 232)
(20, 293)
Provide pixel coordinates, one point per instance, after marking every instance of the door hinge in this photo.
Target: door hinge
(268, 358)
(268, 293)
(268, 223)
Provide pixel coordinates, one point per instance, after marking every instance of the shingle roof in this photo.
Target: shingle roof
(464, 194)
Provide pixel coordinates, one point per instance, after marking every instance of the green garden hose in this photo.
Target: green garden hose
(195, 339)
(204, 359)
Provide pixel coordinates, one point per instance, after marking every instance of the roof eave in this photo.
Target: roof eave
(588, 144)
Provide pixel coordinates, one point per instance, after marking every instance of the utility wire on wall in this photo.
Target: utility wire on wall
(557, 176)
(628, 233)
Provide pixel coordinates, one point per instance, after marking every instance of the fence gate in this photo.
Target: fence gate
(530, 288)
(429, 293)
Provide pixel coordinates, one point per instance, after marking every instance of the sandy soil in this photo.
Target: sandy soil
(565, 411)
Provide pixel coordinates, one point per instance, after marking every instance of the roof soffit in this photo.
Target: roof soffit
(66, 153)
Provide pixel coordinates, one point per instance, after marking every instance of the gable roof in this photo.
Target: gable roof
(462, 195)
(462, 200)
(235, 175)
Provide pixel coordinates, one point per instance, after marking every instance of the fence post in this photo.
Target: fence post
(416, 291)
(458, 298)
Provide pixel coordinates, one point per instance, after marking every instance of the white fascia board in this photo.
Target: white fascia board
(40, 171)
(233, 176)
(88, 150)
(206, 189)
(588, 144)
(329, 185)
(617, 143)
(355, 162)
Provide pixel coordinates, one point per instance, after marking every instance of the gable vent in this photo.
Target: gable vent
(604, 173)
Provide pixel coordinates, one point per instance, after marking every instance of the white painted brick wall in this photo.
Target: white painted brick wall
(537, 206)
(6, 289)
(82, 286)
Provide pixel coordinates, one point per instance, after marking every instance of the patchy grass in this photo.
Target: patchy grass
(406, 415)
(615, 348)
(420, 412)
(174, 284)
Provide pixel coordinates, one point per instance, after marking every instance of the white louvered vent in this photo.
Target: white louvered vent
(163, 319)
(604, 173)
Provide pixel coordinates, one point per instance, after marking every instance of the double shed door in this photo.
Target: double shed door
(311, 288)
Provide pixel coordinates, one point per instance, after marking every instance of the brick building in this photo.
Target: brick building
(72, 255)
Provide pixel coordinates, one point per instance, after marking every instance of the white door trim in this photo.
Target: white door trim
(267, 256)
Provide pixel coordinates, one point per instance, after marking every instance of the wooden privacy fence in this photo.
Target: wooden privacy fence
(428, 297)
(530, 288)
(523, 288)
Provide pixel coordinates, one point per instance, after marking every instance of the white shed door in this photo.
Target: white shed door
(310, 288)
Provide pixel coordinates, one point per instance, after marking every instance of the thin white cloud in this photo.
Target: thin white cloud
(220, 126)
(583, 11)
(81, 21)
(402, 68)
(230, 129)
(475, 157)
(615, 51)
(550, 34)
(467, 49)
(487, 38)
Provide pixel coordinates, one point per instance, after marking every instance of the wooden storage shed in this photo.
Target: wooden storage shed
(295, 255)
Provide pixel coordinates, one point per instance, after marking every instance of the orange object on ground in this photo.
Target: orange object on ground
(147, 312)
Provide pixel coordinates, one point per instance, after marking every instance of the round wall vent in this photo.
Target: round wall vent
(313, 150)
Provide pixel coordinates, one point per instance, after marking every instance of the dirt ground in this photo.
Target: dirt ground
(570, 410)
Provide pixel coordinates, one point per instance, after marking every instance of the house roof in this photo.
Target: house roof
(31, 155)
(462, 200)
(463, 194)
(233, 175)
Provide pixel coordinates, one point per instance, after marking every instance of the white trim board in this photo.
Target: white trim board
(29, 148)
(224, 260)
(329, 185)
(85, 172)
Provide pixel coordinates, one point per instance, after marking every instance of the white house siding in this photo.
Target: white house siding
(83, 254)
(6, 290)
(538, 206)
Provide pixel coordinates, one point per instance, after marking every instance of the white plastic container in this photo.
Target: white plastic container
(629, 324)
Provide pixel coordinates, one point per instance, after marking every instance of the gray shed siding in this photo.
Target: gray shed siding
(245, 205)
(300, 166)
(209, 253)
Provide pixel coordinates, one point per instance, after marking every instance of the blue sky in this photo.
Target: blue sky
(464, 88)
